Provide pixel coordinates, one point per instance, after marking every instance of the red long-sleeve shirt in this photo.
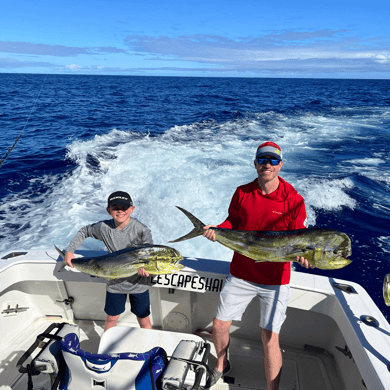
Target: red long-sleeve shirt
(283, 209)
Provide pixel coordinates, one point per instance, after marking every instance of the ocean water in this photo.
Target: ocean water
(190, 142)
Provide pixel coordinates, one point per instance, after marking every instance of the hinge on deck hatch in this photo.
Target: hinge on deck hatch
(67, 301)
(345, 351)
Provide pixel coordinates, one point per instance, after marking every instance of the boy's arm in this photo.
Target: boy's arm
(85, 232)
(146, 239)
(69, 256)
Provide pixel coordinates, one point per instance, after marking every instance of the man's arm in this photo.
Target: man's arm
(209, 233)
(300, 222)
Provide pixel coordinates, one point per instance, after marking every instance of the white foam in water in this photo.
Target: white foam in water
(384, 243)
(325, 194)
(370, 168)
(366, 161)
(196, 167)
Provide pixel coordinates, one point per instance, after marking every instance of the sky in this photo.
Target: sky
(201, 38)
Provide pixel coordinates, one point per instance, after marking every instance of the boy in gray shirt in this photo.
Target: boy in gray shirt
(118, 233)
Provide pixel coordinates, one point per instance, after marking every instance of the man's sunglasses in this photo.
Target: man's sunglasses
(272, 161)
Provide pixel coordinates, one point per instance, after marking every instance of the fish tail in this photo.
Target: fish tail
(197, 231)
(62, 254)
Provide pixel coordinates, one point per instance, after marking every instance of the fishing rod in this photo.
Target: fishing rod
(2, 161)
(10, 149)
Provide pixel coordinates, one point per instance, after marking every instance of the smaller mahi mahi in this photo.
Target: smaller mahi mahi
(155, 259)
(323, 248)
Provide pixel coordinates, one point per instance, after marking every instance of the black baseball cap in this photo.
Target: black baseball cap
(119, 198)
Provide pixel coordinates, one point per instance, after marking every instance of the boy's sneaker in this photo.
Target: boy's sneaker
(215, 375)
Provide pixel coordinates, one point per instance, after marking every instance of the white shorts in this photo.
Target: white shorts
(238, 293)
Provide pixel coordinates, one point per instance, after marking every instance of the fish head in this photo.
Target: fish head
(166, 261)
(336, 249)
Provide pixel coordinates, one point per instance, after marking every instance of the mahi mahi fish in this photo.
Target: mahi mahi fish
(323, 248)
(155, 259)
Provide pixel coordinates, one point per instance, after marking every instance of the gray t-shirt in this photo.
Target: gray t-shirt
(133, 234)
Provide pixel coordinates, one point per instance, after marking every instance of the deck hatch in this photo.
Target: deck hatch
(13, 254)
(345, 287)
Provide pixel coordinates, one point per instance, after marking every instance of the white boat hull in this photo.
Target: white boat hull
(325, 342)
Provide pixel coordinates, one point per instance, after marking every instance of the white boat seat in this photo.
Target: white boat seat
(113, 371)
(178, 345)
(48, 360)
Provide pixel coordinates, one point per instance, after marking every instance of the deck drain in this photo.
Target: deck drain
(370, 321)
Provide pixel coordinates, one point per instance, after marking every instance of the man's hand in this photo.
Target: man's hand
(304, 262)
(209, 233)
(142, 272)
(68, 259)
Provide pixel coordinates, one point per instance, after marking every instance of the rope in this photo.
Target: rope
(30, 371)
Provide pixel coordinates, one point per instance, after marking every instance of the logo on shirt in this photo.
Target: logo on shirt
(305, 222)
(277, 212)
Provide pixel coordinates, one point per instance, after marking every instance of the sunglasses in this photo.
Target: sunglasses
(272, 161)
(119, 208)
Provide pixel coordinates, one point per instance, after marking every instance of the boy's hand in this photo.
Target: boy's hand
(142, 272)
(68, 259)
(209, 233)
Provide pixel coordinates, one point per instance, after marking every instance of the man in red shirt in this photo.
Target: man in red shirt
(267, 203)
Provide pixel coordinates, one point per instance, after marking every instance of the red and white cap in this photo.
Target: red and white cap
(269, 149)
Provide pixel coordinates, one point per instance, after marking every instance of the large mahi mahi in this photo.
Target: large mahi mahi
(155, 259)
(323, 248)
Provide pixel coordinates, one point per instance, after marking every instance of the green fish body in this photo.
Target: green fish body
(323, 248)
(155, 259)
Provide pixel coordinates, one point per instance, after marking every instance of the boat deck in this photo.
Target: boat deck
(303, 369)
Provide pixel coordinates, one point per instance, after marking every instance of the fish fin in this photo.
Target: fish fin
(60, 252)
(197, 231)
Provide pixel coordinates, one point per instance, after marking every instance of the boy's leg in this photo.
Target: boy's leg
(111, 321)
(145, 322)
(140, 306)
(115, 306)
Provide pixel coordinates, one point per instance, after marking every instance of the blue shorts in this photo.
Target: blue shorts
(140, 304)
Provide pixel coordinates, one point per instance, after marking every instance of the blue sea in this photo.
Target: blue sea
(190, 142)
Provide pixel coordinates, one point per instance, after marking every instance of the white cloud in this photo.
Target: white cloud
(381, 58)
(73, 67)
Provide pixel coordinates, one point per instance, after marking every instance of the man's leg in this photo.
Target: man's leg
(144, 322)
(221, 342)
(273, 306)
(272, 358)
(234, 298)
